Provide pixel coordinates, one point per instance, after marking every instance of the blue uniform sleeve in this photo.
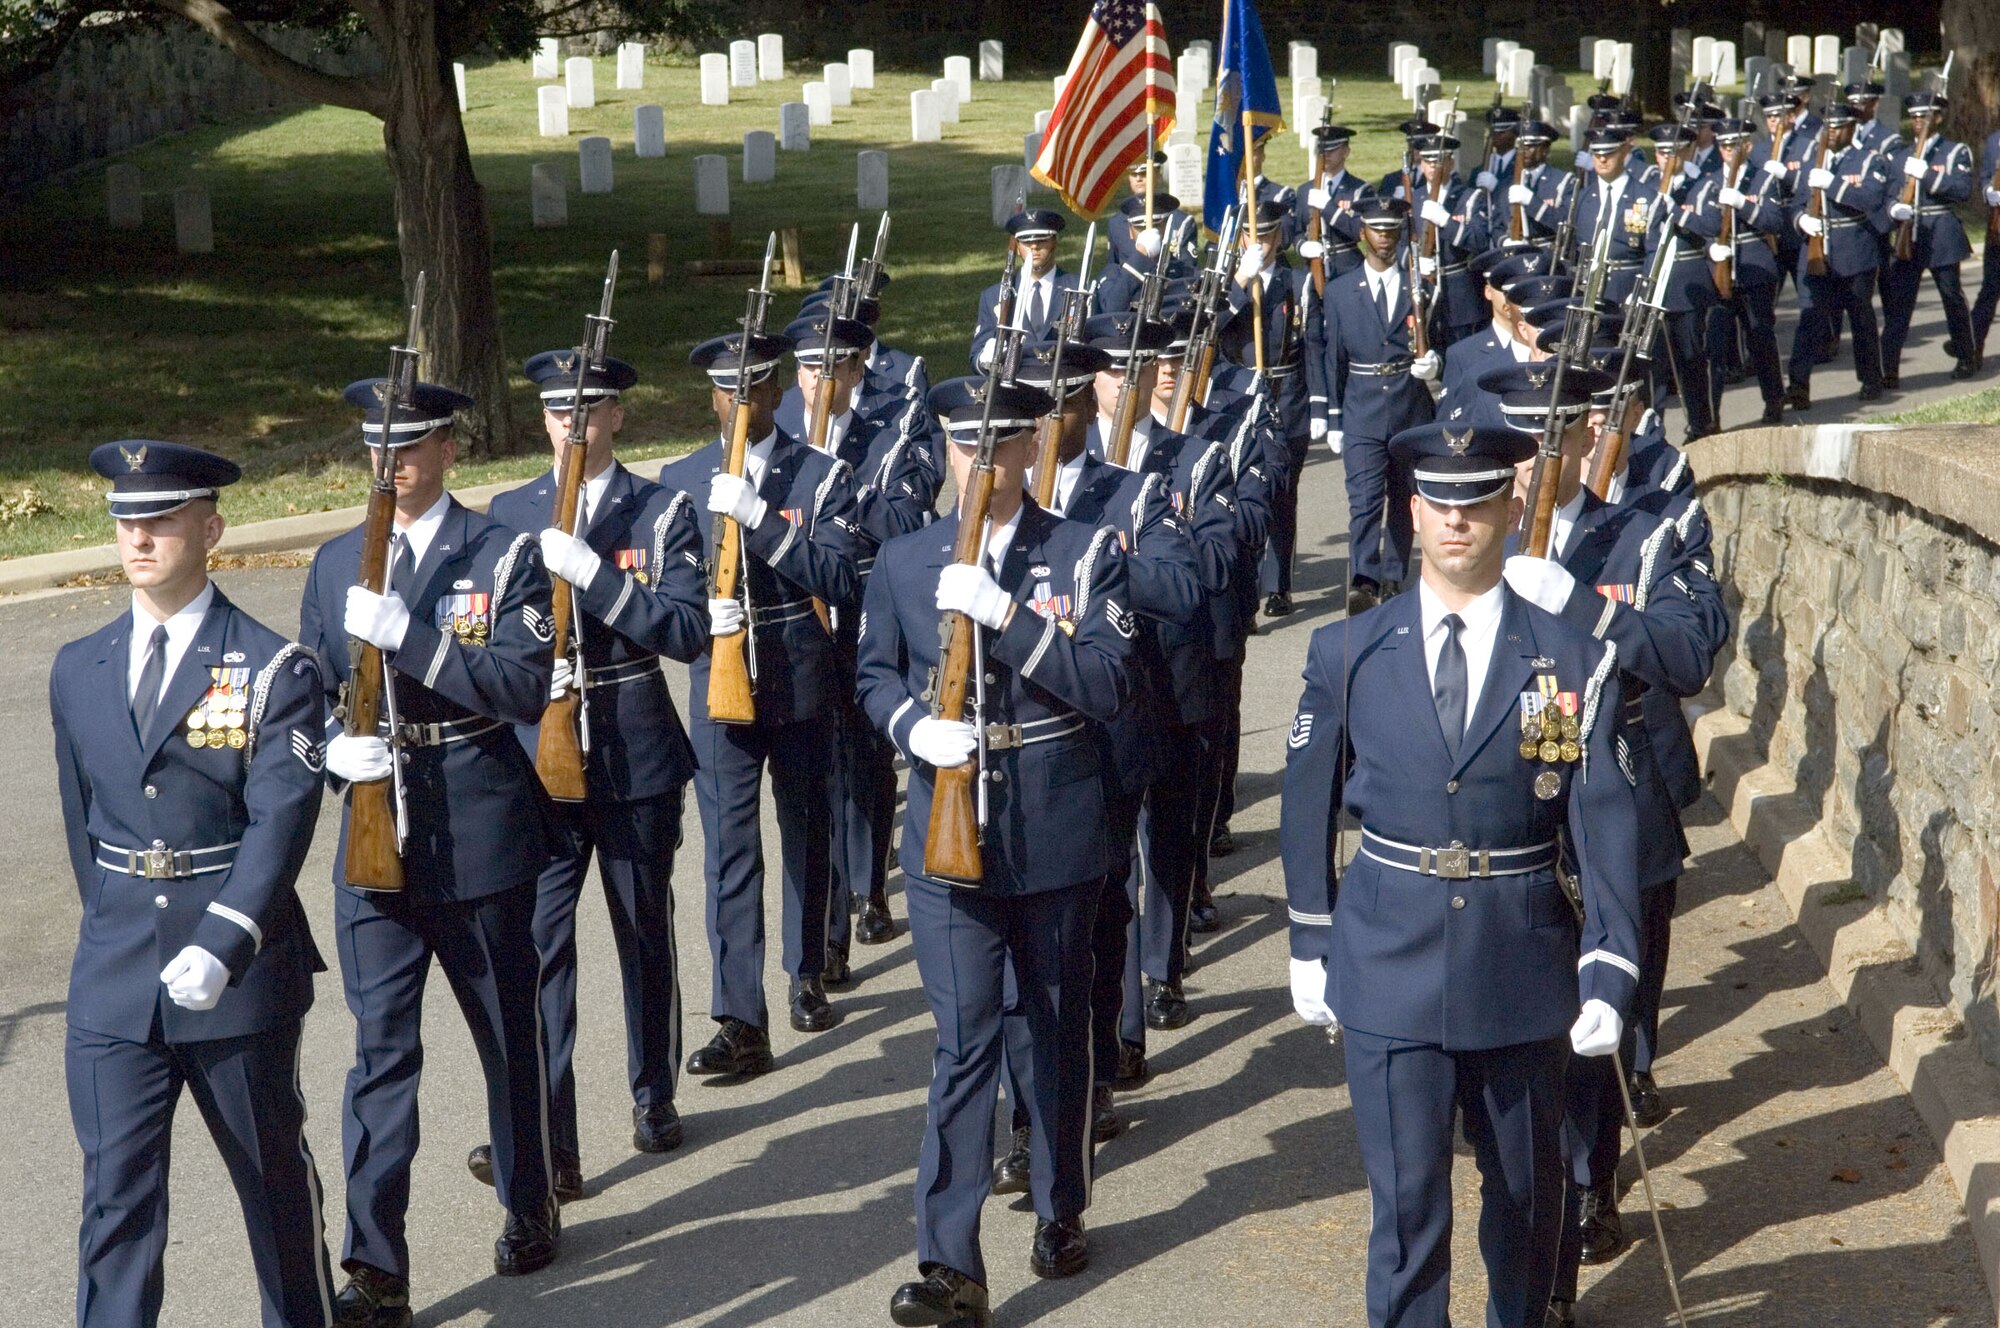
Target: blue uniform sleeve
(1861, 191)
(1318, 384)
(1663, 640)
(1089, 669)
(73, 785)
(816, 554)
(1161, 579)
(1950, 179)
(882, 663)
(281, 795)
(312, 635)
(1211, 518)
(902, 500)
(667, 613)
(1603, 820)
(507, 678)
(1316, 768)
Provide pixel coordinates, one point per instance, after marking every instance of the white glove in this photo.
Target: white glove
(1317, 429)
(1718, 253)
(195, 978)
(569, 557)
(1993, 196)
(1582, 158)
(967, 589)
(1521, 194)
(1425, 367)
(943, 743)
(725, 617)
(1776, 169)
(1596, 1030)
(561, 678)
(1309, 993)
(1336, 438)
(1901, 211)
(1311, 249)
(1426, 267)
(1317, 198)
(1916, 167)
(380, 620)
(1147, 242)
(1819, 177)
(986, 353)
(1690, 170)
(358, 759)
(1541, 582)
(1809, 224)
(1434, 212)
(735, 497)
(1731, 197)
(1486, 180)
(1250, 266)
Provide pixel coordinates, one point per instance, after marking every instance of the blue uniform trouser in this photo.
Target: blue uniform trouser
(1753, 310)
(1406, 1096)
(634, 843)
(1275, 573)
(1900, 282)
(864, 814)
(122, 1097)
(1167, 849)
(486, 947)
(727, 786)
(1378, 546)
(965, 943)
(1989, 298)
(1216, 802)
(1691, 370)
(1831, 296)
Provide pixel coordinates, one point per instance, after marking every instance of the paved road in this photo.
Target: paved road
(1237, 1198)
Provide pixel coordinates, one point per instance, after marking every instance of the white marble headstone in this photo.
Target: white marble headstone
(819, 104)
(1397, 50)
(548, 195)
(1604, 57)
(946, 91)
(593, 164)
(760, 156)
(1520, 65)
(771, 56)
(1704, 56)
(580, 76)
(552, 101)
(649, 131)
(711, 185)
(631, 66)
(1009, 183)
(871, 179)
(795, 127)
(839, 80)
(547, 61)
(714, 79)
(992, 62)
(861, 68)
(1826, 54)
(1725, 64)
(926, 122)
(1799, 52)
(1184, 173)
(958, 69)
(743, 63)
(1305, 60)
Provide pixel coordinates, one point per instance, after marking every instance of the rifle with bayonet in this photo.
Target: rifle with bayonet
(1211, 294)
(1644, 312)
(730, 700)
(563, 739)
(1315, 228)
(376, 815)
(1579, 330)
(1068, 328)
(952, 849)
(1906, 230)
(1125, 416)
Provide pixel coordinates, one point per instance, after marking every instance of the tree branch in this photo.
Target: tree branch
(218, 22)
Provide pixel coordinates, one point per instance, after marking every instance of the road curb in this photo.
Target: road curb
(283, 534)
(1869, 966)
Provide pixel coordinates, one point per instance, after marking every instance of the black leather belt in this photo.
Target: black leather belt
(630, 671)
(1386, 369)
(160, 863)
(773, 614)
(1006, 737)
(444, 732)
(1456, 862)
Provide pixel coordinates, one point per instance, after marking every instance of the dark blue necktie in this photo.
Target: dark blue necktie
(146, 700)
(1449, 686)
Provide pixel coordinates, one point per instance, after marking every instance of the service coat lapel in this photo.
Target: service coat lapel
(1405, 655)
(191, 678)
(446, 549)
(115, 679)
(1507, 675)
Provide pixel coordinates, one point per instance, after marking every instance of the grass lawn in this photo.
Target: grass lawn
(1982, 407)
(113, 335)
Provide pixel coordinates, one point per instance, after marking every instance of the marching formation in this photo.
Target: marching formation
(1032, 586)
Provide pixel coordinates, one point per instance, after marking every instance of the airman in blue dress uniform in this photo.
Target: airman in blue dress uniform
(1533, 186)
(465, 634)
(1124, 228)
(1855, 183)
(1760, 225)
(1682, 208)
(1334, 198)
(1475, 738)
(1039, 301)
(796, 510)
(1615, 201)
(1938, 244)
(895, 489)
(1459, 214)
(188, 814)
(1058, 633)
(635, 566)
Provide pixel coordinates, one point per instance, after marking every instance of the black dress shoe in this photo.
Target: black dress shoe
(1202, 917)
(1871, 393)
(1131, 1063)
(1059, 1249)
(1798, 397)
(1951, 348)
(1166, 1007)
(526, 1244)
(1360, 599)
(1892, 379)
(1829, 353)
(1774, 412)
(1562, 1314)
(1105, 1122)
(945, 1296)
(836, 973)
(568, 1172)
(1603, 1232)
(736, 1048)
(656, 1129)
(810, 1011)
(1277, 604)
(1648, 1107)
(1010, 1173)
(372, 1299)
(1964, 369)
(1221, 843)
(875, 926)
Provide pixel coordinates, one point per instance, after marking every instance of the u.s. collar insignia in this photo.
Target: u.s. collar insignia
(1459, 443)
(134, 459)
(233, 657)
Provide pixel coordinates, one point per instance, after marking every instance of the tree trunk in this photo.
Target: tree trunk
(442, 229)
(1972, 29)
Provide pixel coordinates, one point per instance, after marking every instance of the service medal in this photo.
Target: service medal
(237, 738)
(196, 738)
(1547, 785)
(1551, 751)
(196, 719)
(217, 737)
(1530, 749)
(1572, 728)
(1572, 752)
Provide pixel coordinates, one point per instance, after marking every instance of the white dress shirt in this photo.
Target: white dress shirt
(420, 532)
(998, 540)
(1564, 524)
(1067, 476)
(180, 633)
(1384, 285)
(592, 496)
(1608, 195)
(757, 459)
(1481, 620)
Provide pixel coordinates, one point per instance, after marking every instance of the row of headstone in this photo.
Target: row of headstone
(1304, 58)
(992, 62)
(631, 66)
(580, 78)
(124, 209)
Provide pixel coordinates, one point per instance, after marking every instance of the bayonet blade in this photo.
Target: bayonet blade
(610, 286)
(770, 250)
(853, 242)
(414, 339)
(1089, 248)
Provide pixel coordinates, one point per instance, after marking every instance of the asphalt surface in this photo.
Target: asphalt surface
(1803, 1189)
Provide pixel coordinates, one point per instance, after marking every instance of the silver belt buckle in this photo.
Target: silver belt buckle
(1454, 864)
(159, 864)
(1003, 737)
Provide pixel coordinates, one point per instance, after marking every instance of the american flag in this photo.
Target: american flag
(1119, 75)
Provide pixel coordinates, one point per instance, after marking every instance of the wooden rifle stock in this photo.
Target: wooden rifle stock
(822, 419)
(729, 698)
(1610, 458)
(559, 742)
(951, 847)
(1816, 244)
(1725, 270)
(1906, 231)
(373, 859)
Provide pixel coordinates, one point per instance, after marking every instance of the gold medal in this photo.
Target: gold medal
(1572, 728)
(640, 577)
(1547, 785)
(237, 737)
(215, 738)
(196, 738)
(1551, 723)
(1530, 749)
(1551, 751)
(1571, 752)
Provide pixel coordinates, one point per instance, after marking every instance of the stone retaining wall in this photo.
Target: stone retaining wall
(1863, 573)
